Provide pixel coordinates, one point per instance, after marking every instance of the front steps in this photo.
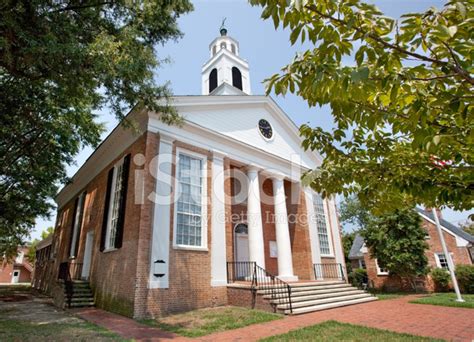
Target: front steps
(316, 296)
(82, 295)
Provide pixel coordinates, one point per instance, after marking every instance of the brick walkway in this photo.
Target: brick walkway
(455, 324)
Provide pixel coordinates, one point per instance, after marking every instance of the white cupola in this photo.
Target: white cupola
(225, 73)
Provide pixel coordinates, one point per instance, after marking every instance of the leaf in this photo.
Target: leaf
(461, 8)
(360, 74)
(452, 30)
(295, 33)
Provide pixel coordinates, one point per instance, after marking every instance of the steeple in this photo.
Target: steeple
(225, 73)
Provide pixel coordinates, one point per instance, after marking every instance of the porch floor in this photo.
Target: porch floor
(248, 284)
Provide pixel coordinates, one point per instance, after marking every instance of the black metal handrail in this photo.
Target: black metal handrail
(329, 271)
(260, 280)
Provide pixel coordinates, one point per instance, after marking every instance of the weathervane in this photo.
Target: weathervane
(222, 29)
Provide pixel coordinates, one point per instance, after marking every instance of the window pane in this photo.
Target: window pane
(321, 224)
(189, 204)
(117, 199)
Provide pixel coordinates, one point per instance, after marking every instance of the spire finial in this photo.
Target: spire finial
(222, 29)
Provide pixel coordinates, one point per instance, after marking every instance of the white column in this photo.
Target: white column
(159, 261)
(285, 259)
(254, 219)
(218, 244)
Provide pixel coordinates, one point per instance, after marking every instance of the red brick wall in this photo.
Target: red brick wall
(7, 268)
(239, 296)
(299, 233)
(112, 274)
(189, 271)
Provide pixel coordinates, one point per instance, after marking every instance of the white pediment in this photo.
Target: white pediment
(237, 117)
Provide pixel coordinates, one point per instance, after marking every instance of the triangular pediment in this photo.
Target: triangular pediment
(237, 117)
(226, 89)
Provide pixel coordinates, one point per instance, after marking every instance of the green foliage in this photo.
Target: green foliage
(402, 105)
(397, 241)
(61, 62)
(357, 277)
(354, 212)
(465, 277)
(32, 247)
(440, 278)
(468, 227)
(347, 241)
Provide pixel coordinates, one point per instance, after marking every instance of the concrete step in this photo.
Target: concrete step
(321, 296)
(322, 301)
(315, 292)
(306, 288)
(82, 299)
(307, 309)
(82, 304)
(318, 283)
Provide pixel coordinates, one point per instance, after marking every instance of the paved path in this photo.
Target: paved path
(454, 324)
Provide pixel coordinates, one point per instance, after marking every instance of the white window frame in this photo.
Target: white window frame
(19, 257)
(108, 246)
(203, 158)
(438, 262)
(328, 226)
(379, 270)
(362, 264)
(76, 228)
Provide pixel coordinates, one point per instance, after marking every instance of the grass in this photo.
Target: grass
(15, 330)
(207, 321)
(446, 299)
(388, 295)
(332, 331)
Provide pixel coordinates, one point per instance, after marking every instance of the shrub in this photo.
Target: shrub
(441, 279)
(465, 276)
(357, 277)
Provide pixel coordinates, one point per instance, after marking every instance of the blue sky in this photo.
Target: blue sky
(266, 50)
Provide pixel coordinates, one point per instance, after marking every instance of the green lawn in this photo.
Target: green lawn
(207, 321)
(385, 296)
(15, 330)
(332, 331)
(446, 299)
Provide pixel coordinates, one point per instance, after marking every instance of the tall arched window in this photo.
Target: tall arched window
(223, 46)
(232, 47)
(236, 78)
(214, 50)
(213, 80)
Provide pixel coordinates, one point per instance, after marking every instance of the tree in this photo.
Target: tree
(397, 241)
(347, 241)
(32, 247)
(403, 109)
(352, 211)
(468, 227)
(60, 62)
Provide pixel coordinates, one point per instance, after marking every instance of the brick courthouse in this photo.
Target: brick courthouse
(173, 217)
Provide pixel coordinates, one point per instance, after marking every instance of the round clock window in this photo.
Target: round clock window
(265, 129)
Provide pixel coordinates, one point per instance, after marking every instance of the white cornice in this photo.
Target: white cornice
(219, 55)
